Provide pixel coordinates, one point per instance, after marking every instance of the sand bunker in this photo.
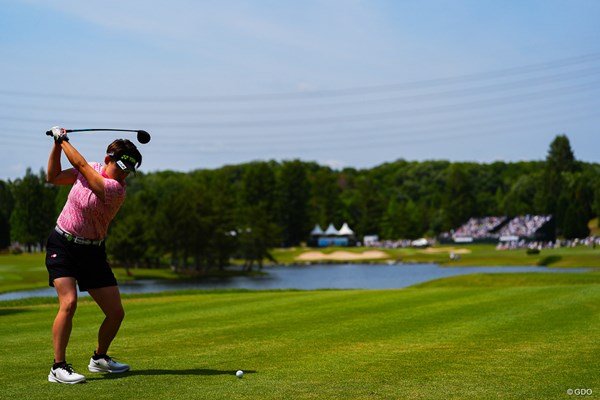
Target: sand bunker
(446, 250)
(341, 255)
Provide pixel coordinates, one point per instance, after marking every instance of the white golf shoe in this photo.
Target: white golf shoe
(107, 364)
(65, 374)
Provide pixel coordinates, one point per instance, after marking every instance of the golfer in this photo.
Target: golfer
(76, 253)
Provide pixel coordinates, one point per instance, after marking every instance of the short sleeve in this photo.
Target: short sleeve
(114, 192)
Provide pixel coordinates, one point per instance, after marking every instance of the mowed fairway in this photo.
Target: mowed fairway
(464, 339)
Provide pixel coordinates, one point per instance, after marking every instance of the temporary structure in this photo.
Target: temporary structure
(332, 237)
(317, 231)
(331, 230)
(345, 230)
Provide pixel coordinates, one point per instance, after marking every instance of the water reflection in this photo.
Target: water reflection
(311, 277)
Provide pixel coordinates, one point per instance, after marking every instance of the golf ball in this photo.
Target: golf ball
(239, 374)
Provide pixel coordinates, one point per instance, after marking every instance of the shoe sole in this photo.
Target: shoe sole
(112, 371)
(53, 379)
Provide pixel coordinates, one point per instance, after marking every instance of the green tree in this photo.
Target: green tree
(579, 199)
(293, 193)
(33, 215)
(133, 237)
(401, 220)
(459, 198)
(126, 242)
(560, 160)
(574, 223)
(392, 220)
(519, 199)
(258, 232)
(170, 219)
(364, 203)
(6, 208)
(222, 237)
(325, 205)
(595, 187)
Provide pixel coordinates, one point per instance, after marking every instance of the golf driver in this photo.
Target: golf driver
(142, 136)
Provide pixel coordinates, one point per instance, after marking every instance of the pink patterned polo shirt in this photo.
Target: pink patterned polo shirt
(84, 214)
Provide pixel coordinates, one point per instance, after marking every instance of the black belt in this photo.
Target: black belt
(76, 239)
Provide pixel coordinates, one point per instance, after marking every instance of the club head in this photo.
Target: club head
(143, 137)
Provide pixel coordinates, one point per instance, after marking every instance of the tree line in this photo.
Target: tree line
(202, 219)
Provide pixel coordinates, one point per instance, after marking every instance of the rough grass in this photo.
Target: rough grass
(491, 336)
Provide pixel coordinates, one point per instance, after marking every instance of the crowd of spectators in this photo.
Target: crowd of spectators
(590, 241)
(524, 225)
(395, 244)
(478, 228)
(522, 244)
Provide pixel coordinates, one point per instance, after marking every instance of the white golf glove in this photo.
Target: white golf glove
(59, 134)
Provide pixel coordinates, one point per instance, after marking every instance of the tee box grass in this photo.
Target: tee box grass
(510, 336)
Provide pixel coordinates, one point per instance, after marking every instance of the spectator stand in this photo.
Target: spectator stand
(475, 230)
(493, 229)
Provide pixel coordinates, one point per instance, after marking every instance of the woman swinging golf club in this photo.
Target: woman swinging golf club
(76, 252)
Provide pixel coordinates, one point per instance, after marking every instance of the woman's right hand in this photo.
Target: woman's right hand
(59, 134)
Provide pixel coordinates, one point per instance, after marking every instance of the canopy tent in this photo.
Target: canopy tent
(345, 230)
(316, 230)
(331, 230)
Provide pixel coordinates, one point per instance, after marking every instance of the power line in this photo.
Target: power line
(521, 84)
(502, 73)
(346, 137)
(344, 118)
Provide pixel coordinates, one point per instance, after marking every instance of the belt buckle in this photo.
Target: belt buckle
(80, 241)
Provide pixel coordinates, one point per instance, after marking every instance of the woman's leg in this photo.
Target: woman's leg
(109, 300)
(63, 323)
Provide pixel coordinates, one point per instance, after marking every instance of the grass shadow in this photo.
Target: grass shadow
(175, 372)
(11, 311)
(546, 261)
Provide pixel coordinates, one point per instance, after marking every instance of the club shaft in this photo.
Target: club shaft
(100, 129)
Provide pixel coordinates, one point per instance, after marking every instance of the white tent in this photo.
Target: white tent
(345, 230)
(331, 230)
(316, 231)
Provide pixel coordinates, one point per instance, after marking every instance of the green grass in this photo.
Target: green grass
(23, 271)
(514, 279)
(468, 337)
(27, 271)
(479, 255)
(512, 336)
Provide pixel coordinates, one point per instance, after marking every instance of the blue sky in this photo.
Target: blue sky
(346, 83)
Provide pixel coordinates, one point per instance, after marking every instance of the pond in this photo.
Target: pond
(312, 277)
